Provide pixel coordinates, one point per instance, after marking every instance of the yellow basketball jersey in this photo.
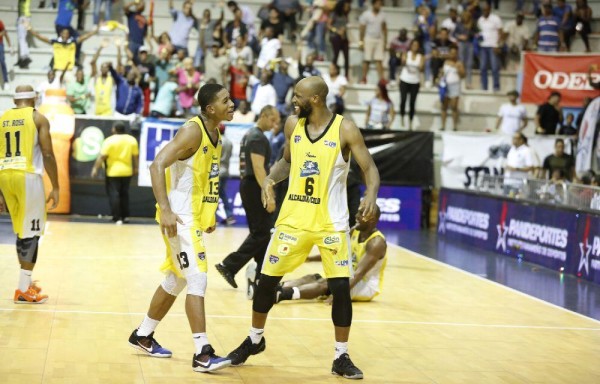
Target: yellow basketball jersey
(19, 146)
(103, 92)
(193, 183)
(316, 198)
(374, 277)
(63, 54)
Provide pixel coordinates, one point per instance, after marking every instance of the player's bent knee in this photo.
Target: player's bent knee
(264, 297)
(173, 285)
(27, 249)
(341, 313)
(196, 284)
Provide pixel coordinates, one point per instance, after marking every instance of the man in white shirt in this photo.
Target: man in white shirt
(520, 160)
(265, 93)
(270, 49)
(373, 39)
(53, 82)
(517, 37)
(490, 27)
(450, 24)
(512, 117)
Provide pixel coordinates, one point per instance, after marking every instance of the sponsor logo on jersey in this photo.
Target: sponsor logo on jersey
(283, 249)
(310, 155)
(334, 239)
(330, 144)
(297, 139)
(273, 259)
(341, 263)
(309, 168)
(198, 233)
(214, 170)
(288, 238)
(304, 198)
(205, 149)
(202, 256)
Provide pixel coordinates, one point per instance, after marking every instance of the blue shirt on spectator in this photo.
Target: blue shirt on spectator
(129, 97)
(429, 3)
(138, 28)
(560, 14)
(277, 142)
(65, 13)
(282, 84)
(180, 30)
(548, 31)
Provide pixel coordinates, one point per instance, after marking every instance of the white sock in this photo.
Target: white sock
(147, 327)
(256, 335)
(340, 348)
(24, 280)
(296, 294)
(200, 340)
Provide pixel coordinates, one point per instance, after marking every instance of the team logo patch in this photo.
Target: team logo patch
(309, 168)
(334, 239)
(214, 170)
(205, 149)
(202, 256)
(283, 249)
(273, 259)
(198, 233)
(341, 263)
(297, 139)
(288, 238)
(330, 144)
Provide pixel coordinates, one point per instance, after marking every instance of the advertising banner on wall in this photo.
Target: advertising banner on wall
(486, 155)
(567, 74)
(585, 260)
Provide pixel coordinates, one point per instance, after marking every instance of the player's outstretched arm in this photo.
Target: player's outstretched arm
(353, 139)
(281, 169)
(184, 144)
(376, 248)
(45, 140)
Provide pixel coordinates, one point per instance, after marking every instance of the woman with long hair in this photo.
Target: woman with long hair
(413, 63)
(452, 73)
(338, 35)
(380, 110)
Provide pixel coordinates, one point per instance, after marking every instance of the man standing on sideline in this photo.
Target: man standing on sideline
(185, 182)
(373, 39)
(224, 177)
(120, 154)
(316, 158)
(255, 154)
(512, 116)
(24, 155)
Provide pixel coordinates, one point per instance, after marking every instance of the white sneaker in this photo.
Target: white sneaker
(119, 222)
(6, 87)
(428, 84)
(251, 279)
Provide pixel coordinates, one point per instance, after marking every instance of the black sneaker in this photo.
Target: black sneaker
(148, 345)
(343, 366)
(239, 355)
(283, 294)
(227, 275)
(212, 362)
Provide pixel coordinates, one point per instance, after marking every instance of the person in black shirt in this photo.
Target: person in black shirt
(549, 115)
(255, 153)
(559, 161)
(440, 51)
(567, 128)
(308, 69)
(274, 21)
(147, 71)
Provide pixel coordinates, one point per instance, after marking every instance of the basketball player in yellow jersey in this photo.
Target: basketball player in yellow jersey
(185, 181)
(316, 157)
(25, 150)
(368, 260)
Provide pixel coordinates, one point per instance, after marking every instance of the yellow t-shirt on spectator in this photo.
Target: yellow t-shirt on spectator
(119, 150)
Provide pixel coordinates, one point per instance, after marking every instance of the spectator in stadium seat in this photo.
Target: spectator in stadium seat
(413, 63)
(165, 98)
(248, 20)
(235, 28)
(337, 87)
(270, 49)
(242, 51)
(274, 21)
(52, 82)
(107, 10)
(137, 24)
(183, 22)
(243, 114)
(567, 128)
(491, 40)
(265, 93)
(425, 31)
(440, 52)
(163, 66)
(338, 35)
(559, 160)
(548, 36)
(373, 39)
(519, 160)
(288, 10)
(64, 47)
(206, 35)
(583, 19)
(380, 110)
(308, 69)
(103, 84)
(23, 20)
(238, 83)
(452, 73)
(64, 16)
(189, 83)
(549, 115)
(450, 23)
(147, 71)
(398, 47)
(512, 116)
(563, 12)
(517, 37)
(216, 64)
(283, 82)
(465, 33)
(431, 4)
(78, 93)
(129, 96)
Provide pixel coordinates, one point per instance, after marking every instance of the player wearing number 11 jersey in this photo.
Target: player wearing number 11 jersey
(185, 181)
(25, 146)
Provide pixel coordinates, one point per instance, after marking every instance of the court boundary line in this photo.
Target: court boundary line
(319, 319)
(434, 261)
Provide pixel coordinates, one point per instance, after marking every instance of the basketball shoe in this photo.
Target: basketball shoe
(31, 296)
(207, 361)
(227, 275)
(239, 355)
(148, 345)
(343, 366)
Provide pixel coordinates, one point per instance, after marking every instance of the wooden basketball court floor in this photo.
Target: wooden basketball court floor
(432, 323)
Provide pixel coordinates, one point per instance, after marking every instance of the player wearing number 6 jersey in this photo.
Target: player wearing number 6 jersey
(185, 181)
(316, 157)
(25, 149)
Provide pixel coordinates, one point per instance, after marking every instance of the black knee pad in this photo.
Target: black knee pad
(341, 309)
(27, 249)
(264, 297)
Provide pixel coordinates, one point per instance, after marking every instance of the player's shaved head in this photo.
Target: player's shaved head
(314, 85)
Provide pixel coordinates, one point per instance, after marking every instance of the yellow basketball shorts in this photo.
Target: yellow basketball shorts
(25, 200)
(289, 248)
(186, 254)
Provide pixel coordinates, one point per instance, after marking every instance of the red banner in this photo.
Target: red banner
(567, 74)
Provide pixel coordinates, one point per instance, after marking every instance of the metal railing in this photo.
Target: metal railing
(561, 193)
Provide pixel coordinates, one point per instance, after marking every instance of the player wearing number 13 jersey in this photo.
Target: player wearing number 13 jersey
(25, 146)
(185, 181)
(316, 158)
